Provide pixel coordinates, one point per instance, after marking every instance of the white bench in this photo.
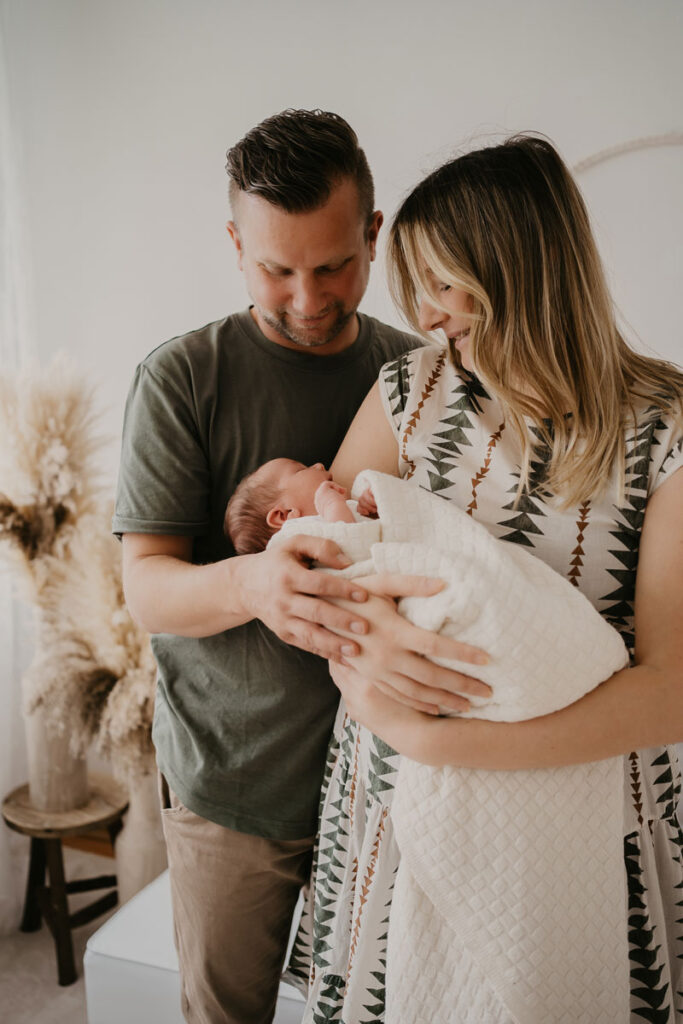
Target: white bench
(131, 967)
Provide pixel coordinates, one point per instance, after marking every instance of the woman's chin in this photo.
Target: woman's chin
(466, 362)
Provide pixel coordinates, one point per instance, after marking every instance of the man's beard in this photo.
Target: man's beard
(308, 338)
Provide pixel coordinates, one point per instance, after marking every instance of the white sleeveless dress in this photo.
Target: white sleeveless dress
(453, 440)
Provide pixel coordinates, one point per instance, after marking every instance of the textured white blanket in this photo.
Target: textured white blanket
(510, 901)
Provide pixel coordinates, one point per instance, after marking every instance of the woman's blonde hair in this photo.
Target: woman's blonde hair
(507, 224)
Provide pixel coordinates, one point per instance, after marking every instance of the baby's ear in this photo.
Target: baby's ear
(279, 514)
(275, 517)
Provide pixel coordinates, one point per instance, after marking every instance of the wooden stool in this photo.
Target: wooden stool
(105, 809)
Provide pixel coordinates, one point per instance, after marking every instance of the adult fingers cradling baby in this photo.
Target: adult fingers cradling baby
(401, 658)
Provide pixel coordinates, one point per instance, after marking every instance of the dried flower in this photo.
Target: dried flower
(93, 671)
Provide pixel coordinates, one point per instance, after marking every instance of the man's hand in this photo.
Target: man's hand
(279, 587)
(399, 658)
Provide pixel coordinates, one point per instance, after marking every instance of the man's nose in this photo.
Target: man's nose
(308, 299)
(429, 317)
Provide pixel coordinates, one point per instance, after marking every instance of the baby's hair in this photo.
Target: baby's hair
(245, 517)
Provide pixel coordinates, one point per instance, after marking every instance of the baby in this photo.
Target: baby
(283, 489)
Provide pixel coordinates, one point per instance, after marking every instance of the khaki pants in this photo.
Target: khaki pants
(233, 898)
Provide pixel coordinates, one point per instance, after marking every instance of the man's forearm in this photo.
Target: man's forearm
(167, 595)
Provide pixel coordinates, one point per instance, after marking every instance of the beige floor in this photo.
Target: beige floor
(29, 992)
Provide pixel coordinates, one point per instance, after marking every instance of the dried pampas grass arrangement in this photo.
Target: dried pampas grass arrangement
(93, 671)
(48, 471)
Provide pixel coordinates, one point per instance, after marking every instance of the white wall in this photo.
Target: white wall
(124, 110)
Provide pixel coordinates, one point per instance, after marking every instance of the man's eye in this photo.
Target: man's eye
(333, 269)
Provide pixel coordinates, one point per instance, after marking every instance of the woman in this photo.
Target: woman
(539, 421)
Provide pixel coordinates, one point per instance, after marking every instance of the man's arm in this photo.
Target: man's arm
(166, 593)
(166, 478)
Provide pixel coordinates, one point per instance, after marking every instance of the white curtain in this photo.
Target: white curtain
(15, 643)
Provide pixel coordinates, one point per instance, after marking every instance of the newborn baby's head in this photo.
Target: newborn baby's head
(278, 490)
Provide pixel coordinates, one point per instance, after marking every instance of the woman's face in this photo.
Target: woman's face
(454, 322)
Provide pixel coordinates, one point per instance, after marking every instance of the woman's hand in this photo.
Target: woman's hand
(393, 721)
(399, 658)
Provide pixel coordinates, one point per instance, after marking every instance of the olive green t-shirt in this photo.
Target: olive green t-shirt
(241, 719)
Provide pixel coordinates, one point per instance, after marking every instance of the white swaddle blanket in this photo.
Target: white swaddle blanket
(510, 900)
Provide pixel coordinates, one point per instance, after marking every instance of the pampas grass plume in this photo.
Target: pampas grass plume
(93, 671)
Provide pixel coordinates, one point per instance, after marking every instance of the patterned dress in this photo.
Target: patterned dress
(453, 440)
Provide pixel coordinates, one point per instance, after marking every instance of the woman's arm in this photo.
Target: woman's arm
(369, 443)
(636, 708)
(403, 651)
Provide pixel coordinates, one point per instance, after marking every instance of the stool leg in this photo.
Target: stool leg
(114, 830)
(32, 917)
(59, 910)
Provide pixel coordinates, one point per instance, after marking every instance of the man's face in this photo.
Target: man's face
(306, 272)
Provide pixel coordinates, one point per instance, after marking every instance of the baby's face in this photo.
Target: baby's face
(298, 483)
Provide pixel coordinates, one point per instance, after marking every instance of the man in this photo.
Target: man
(242, 719)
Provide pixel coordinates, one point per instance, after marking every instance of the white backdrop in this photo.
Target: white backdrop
(123, 110)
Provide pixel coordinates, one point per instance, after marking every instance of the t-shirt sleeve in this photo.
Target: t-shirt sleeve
(668, 454)
(163, 484)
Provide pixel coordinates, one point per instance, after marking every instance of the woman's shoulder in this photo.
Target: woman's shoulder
(400, 376)
(414, 369)
(414, 362)
(654, 440)
(407, 375)
(426, 376)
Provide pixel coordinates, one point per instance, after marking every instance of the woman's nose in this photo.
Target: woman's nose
(429, 316)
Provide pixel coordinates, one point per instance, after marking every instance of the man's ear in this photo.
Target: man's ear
(375, 224)
(233, 231)
(279, 514)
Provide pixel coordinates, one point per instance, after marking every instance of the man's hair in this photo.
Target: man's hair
(245, 517)
(295, 158)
